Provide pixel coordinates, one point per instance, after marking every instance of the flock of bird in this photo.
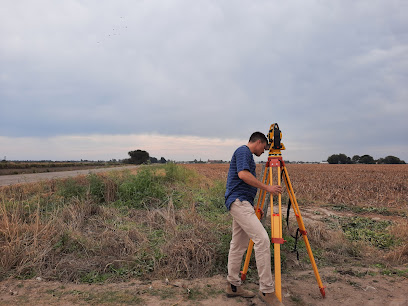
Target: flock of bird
(116, 31)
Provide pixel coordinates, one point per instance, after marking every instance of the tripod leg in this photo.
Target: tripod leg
(302, 229)
(277, 263)
(277, 240)
(261, 200)
(247, 260)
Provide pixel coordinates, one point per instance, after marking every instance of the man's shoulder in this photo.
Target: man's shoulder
(243, 153)
(243, 150)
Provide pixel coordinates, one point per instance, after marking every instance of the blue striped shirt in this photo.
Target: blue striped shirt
(237, 188)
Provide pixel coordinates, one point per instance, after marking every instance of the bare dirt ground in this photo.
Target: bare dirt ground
(345, 286)
(349, 283)
(36, 177)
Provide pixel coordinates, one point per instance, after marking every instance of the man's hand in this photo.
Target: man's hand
(248, 178)
(274, 189)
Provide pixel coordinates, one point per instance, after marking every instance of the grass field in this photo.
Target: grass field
(169, 221)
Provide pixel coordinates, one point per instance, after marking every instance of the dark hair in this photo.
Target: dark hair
(258, 136)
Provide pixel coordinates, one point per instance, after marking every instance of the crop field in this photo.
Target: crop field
(361, 185)
(7, 168)
(168, 224)
(364, 185)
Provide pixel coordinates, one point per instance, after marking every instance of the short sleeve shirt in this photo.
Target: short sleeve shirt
(242, 159)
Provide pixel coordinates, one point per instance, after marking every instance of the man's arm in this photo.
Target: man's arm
(248, 178)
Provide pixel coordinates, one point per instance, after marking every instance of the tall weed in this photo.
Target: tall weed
(71, 188)
(144, 190)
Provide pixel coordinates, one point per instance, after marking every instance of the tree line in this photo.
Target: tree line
(364, 159)
(139, 157)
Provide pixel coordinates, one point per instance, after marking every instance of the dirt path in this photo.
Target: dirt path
(6, 180)
(347, 286)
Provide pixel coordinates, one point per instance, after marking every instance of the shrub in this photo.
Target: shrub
(143, 190)
(70, 188)
(97, 187)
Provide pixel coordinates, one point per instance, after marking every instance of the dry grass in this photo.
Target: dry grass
(380, 191)
(24, 239)
(48, 230)
(81, 230)
(399, 255)
(84, 238)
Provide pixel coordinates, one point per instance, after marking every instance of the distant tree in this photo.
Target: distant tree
(339, 159)
(364, 159)
(163, 160)
(356, 159)
(343, 159)
(153, 160)
(367, 159)
(138, 157)
(392, 160)
(333, 159)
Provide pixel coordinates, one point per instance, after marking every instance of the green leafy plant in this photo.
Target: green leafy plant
(371, 231)
(70, 188)
(142, 190)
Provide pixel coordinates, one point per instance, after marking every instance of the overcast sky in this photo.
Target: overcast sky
(189, 79)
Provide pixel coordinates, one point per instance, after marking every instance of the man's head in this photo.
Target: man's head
(258, 143)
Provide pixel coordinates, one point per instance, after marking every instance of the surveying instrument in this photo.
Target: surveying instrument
(275, 161)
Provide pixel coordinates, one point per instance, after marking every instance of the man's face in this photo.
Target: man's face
(260, 147)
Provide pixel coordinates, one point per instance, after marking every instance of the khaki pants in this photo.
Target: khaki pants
(245, 226)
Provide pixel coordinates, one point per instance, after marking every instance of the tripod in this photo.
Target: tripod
(275, 161)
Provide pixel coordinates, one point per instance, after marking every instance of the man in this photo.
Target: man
(241, 190)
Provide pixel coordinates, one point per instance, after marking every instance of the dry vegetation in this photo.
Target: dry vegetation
(7, 168)
(353, 211)
(362, 185)
(366, 185)
(169, 221)
(115, 226)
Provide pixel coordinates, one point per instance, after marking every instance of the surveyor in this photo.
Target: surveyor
(241, 190)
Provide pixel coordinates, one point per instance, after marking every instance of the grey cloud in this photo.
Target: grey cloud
(332, 70)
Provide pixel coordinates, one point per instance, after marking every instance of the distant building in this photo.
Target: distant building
(213, 161)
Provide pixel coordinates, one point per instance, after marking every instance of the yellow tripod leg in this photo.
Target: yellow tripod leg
(277, 258)
(277, 240)
(302, 230)
(261, 199)
(247, 259)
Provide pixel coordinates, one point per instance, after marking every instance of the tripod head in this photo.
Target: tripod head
(274, 138)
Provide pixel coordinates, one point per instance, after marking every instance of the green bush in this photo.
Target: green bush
(211, 202)
(176, 173)
(142, 190)
(70, 188)
(97, 187)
